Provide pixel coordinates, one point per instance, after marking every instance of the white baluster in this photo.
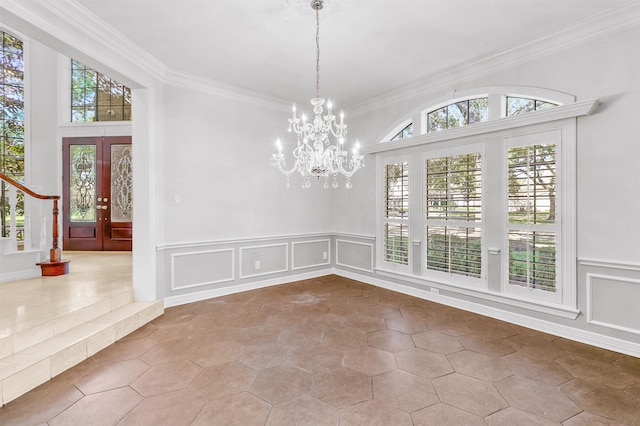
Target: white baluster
(27, 231)
(43, 233)
(13, 241)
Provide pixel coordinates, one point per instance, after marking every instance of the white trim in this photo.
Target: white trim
(602, 263)
(613, 20)
(475, 146)
(590, 338)
(350, 266)
(72, 17)
(20, 275)
(480, 293)
(589, 307)
(96, 128)
(174, 255)
(349, 235)
(286, 260)
(293, 254)
(170, 246)
(397, 129)
(576, 109)
(559, 295)
(381, 220)
(185, 80)
(208, 294)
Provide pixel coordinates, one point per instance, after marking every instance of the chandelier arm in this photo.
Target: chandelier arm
(287, 173)
(280, 162)
(355, 163)
(338, 133)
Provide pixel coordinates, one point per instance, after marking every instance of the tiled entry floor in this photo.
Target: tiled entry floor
(334, 351)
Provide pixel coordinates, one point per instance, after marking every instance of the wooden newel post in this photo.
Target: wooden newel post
(55, 254)
(55, 265)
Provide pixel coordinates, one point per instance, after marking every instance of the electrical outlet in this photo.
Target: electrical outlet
(324, 255)
(177, 199)
(435, 290)
(257, 265)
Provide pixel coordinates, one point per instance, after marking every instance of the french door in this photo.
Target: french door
(98, 193)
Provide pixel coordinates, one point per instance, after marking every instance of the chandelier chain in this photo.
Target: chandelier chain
(317, 53)
(319, 152)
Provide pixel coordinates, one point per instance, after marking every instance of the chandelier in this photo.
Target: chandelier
(319, 152)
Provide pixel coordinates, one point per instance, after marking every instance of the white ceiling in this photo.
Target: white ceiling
(368, 47)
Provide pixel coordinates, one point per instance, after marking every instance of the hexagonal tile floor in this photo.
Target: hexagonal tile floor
(338, 352)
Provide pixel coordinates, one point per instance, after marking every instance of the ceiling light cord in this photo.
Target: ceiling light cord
(317, 53)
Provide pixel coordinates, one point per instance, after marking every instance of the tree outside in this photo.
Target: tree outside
(97, 97)
(532, 201)
(453, 206)
(11, 124)
(458, 114)
(396, 198)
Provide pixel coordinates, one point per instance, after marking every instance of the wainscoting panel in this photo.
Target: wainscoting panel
(202, 268)
(353, 254)
(264, 260)
(613, 302)
(307, 254)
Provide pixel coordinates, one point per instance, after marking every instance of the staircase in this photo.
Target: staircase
(35, 347)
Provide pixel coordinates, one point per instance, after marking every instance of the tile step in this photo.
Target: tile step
(42, 330)
(31, 366)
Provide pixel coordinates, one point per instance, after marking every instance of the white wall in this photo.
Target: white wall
(235, 209)
(217, 158)
(608, 141)
(608, 176)
(41, 126)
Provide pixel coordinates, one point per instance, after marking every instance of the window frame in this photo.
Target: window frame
(383, 220)
(424, 116)
(97, 105)
(23, 203)
(450, 277)
(565, 214)
(562, 119)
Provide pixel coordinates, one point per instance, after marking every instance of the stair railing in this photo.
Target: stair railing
(55, 253)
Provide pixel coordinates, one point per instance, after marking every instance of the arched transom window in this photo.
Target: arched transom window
(477, 108)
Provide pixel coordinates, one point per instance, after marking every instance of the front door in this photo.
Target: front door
(97, 192)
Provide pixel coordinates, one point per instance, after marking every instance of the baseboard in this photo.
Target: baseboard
(571, 333)
(19, 275)
(237, 288)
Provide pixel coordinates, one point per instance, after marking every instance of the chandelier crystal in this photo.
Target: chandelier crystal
(320, 150)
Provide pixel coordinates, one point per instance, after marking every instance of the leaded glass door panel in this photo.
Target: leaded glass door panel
(98, 193)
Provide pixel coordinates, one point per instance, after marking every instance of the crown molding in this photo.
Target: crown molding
(614, 20)
(71, 23)
(189, 81)
(66, 24)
